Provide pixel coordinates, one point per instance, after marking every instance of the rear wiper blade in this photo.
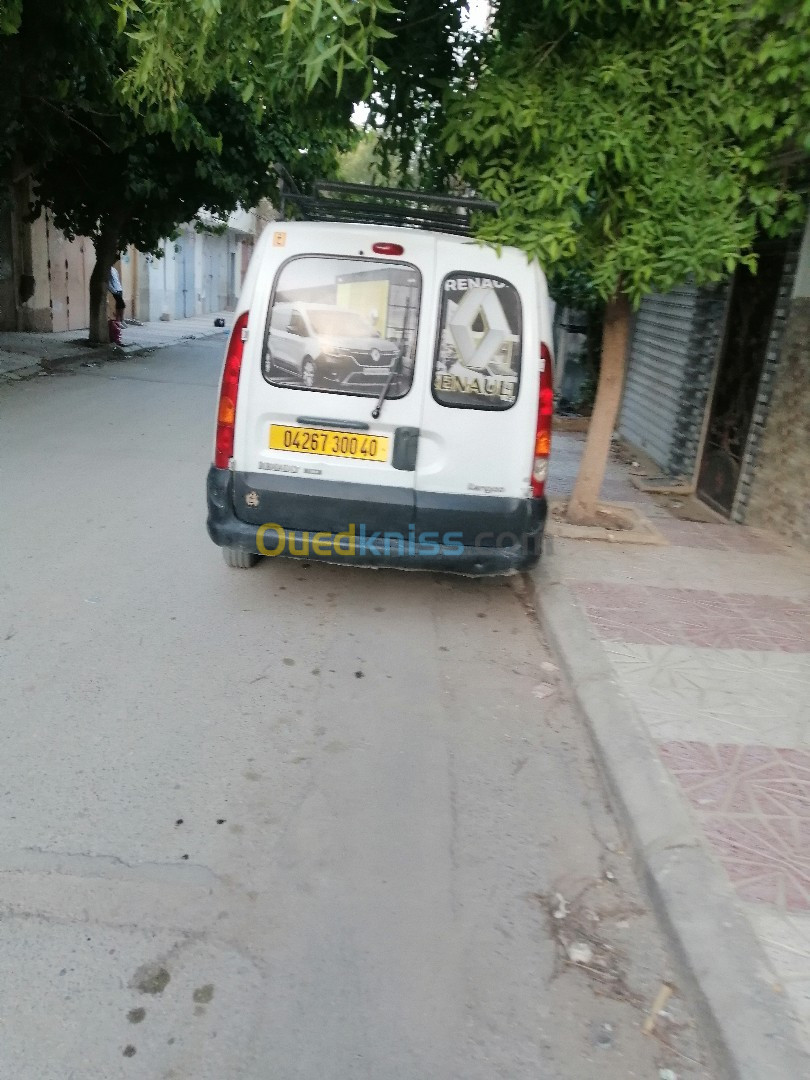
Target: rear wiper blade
(392, 374)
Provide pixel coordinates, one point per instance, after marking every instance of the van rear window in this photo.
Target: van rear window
(478, 348)
(343, 326)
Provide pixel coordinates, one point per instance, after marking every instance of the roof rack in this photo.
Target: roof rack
(367, 203)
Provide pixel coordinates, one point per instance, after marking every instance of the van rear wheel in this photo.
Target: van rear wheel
(308, 372)
(239, 560)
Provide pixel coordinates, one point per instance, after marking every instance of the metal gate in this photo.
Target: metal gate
(673, 352)
(659, 356)
(184, 299)
(750, 331)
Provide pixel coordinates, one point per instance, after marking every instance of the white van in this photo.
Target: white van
(386, 400)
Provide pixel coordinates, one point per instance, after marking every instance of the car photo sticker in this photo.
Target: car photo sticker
(478, 361)
(343, 325)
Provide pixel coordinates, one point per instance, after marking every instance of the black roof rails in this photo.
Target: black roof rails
(369, 204)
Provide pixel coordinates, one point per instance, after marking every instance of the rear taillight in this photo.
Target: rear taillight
(542, 438)
(226, 414)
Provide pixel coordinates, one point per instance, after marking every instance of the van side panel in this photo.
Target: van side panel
(475, 461)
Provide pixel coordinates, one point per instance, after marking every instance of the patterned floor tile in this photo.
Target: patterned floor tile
(717, 695)
(681, 568)
(753, 803)
(657, 616)
(786, 939)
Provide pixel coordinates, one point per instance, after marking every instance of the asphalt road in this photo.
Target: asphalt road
(298, 822)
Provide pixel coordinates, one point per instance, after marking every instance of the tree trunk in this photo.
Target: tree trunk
(582, 505)
(106, 245)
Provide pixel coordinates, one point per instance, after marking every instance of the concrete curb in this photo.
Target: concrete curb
(738, 999)
(96, 353)
(46, 364)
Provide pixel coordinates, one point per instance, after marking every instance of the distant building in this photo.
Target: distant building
(45, 278)
(199, 272)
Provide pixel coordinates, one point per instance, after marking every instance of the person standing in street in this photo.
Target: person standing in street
(117, 290)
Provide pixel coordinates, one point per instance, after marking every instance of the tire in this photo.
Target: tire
(308, 372)
(239, 560)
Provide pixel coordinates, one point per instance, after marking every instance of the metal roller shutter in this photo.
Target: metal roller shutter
(659, 357)
(673, 352)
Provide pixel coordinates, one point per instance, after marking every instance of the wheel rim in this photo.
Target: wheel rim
(309, 373)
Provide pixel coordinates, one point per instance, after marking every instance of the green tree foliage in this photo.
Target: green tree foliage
(373, 161)
(399, 55)
(360, 164)
(10, 13)
(275, 48)
(429, 52)
(782, 60)
(634, 144)
(120, 176)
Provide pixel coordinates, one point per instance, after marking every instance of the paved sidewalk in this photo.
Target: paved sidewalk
(708, 639)
(23, 355)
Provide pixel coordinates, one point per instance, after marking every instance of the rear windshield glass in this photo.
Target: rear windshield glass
(478, 349)
(343, 326)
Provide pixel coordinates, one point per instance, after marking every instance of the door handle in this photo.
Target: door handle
(326, 422)
(406, 444)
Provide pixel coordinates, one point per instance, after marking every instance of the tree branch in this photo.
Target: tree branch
(69, 116)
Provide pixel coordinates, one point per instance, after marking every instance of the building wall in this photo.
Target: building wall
(8, 288)
(36, 312)
(196, 274)
(188, 278)
(157, 282)
(219, 271)
(61, 271)
(128, 271)
(199, 273)
(779, 496)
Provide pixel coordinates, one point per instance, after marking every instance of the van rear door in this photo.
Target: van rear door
(327, 333)
(480, 401)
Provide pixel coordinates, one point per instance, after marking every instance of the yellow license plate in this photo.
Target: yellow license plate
(346, 444)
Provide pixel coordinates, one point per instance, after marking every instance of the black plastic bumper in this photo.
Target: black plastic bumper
(496, 552)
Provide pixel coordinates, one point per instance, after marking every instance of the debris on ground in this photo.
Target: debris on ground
(603, 1036)
(575, 925)
(661, 998)
(561, 910)
(581, 923)
(580, 952)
